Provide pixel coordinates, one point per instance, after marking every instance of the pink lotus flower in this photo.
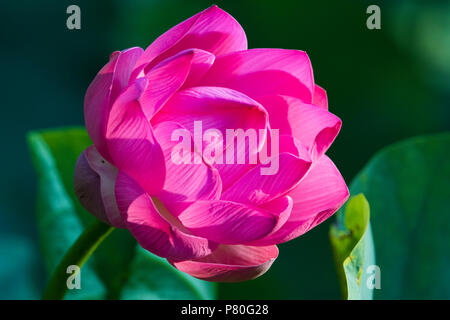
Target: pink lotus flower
(217, 222)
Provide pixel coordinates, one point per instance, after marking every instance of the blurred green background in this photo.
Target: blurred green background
(386, 85)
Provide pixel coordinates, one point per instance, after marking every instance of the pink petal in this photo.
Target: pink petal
(169, 75)
(292, 145)
(282, 208)
(103, 90)
(201, 63)
(322, 189)
(258, 72)
(320, 97)
(231, 172)
(212, 30)
(231, 263)
(131, 141)
(320, 194)
(227, 222)
(314, 127)
(214, 108)
(217, 108)
(151, 230)
(185, 182)
(255, 188)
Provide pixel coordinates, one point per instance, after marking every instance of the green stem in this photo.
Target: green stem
(77, 255)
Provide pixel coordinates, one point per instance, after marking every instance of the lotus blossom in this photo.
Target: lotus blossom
(214, 221)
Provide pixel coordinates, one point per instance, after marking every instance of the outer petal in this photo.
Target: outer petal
(231, 263)
(94, 182)
(321, 193)
(131, 142)
(322, 189)
(258, 72)
(170, 75)
(314, 127)
(87, 186)
(103, 90)
(151, 230)
(320, 97)
(185, 181)
(227, 222)
(212, 30)
(108, 174)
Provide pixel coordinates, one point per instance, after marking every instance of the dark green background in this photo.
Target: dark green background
(386, 85)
